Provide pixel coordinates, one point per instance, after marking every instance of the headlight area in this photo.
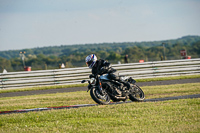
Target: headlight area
(92, 81)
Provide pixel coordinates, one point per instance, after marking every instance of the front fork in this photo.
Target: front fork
(99, 87)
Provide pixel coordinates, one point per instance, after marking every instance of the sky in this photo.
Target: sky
(40, 23)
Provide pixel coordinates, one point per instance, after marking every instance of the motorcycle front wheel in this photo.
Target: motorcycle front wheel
(136, 94)
(98, 97)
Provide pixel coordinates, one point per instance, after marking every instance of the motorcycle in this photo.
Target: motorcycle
(103, 89)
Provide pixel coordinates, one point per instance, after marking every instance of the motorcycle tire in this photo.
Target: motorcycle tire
(98, 98)
(137, 94)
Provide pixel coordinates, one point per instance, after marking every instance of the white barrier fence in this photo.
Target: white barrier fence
(75, 75)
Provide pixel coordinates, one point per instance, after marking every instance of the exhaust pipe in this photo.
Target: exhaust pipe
(121, 98)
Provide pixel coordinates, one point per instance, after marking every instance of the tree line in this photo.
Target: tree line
(74, 55)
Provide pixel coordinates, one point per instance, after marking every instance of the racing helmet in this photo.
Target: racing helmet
(91, 60)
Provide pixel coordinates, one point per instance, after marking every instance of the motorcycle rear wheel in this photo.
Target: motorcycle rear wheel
(136, 94)
(98, 97)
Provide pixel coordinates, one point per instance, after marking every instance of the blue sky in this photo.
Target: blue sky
(39, 23)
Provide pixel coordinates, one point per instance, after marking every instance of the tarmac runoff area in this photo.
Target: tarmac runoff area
(50, 91)
(166, 82)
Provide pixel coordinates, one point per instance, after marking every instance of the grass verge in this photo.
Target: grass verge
(82, 85)
(83, 97)
(168, 116)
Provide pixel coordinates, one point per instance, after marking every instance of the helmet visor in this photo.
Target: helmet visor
(89, 62)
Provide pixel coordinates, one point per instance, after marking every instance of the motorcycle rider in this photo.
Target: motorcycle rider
(101, 66)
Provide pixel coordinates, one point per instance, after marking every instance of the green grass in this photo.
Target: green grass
(139, 117)
(169, 78)
(169, 116)
(83, 97)
(82, 85)
(42, 88)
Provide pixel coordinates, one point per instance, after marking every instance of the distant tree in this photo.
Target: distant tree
(5, 64)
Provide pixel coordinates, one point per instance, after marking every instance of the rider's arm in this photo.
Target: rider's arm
(104, 67)
(106, 64)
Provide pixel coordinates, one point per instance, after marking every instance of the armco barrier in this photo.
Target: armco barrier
(75, 75)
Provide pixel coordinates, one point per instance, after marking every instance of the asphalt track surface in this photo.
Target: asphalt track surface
(89, 105)
(50, 91)
(168, 82)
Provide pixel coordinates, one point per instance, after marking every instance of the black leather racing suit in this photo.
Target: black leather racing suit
(102, 67)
